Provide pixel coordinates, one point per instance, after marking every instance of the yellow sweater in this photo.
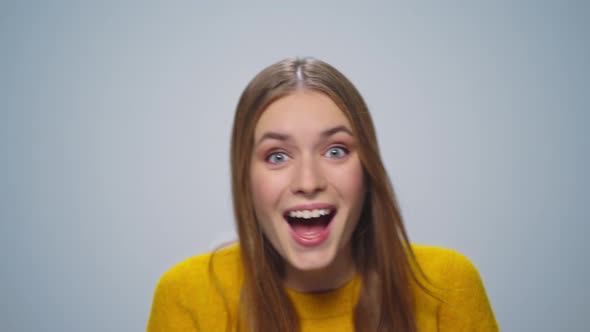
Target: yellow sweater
(186, 299)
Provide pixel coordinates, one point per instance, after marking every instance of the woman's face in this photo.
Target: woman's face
(307, 179)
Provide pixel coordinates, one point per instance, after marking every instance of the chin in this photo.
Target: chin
(310, 260)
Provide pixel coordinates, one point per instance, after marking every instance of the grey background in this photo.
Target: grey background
(115, 129)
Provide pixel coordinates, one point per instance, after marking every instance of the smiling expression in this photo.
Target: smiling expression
(307, 180)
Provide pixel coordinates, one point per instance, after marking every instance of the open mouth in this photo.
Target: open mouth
(309, 223)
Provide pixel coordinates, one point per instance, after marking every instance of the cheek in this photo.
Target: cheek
(266, 190)
(357, 180)
(266, 196)
(350, 181)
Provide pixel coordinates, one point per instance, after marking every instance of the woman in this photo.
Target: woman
(322, 246)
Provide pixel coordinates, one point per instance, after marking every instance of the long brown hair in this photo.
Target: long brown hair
(381, 249)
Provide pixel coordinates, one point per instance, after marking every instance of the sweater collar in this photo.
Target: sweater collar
(333, 303)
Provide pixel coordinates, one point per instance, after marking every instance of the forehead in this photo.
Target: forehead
(304, 112)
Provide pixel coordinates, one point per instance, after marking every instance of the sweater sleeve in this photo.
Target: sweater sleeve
(168, 312)
(466, 306)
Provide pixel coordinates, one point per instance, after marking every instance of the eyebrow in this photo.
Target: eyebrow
(284, 137)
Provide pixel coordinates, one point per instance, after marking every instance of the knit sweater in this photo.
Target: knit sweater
(187, 299)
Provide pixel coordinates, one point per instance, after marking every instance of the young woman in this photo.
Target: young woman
(322, 246)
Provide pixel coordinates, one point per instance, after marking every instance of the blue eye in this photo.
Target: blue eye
(277, 157)
(336, 152)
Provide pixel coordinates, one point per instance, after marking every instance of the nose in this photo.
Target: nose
(308, 179)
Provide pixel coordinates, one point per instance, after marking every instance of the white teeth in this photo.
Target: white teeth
(308, 214)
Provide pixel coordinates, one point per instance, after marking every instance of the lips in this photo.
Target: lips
(310, 224)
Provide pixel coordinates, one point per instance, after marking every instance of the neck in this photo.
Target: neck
(340, 271)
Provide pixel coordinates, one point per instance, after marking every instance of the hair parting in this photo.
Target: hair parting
(299, 74)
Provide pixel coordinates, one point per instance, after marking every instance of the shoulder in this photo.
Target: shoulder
(195, 293)
(202, 274)
(446, 266)
(456, 280)
(193, 266)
